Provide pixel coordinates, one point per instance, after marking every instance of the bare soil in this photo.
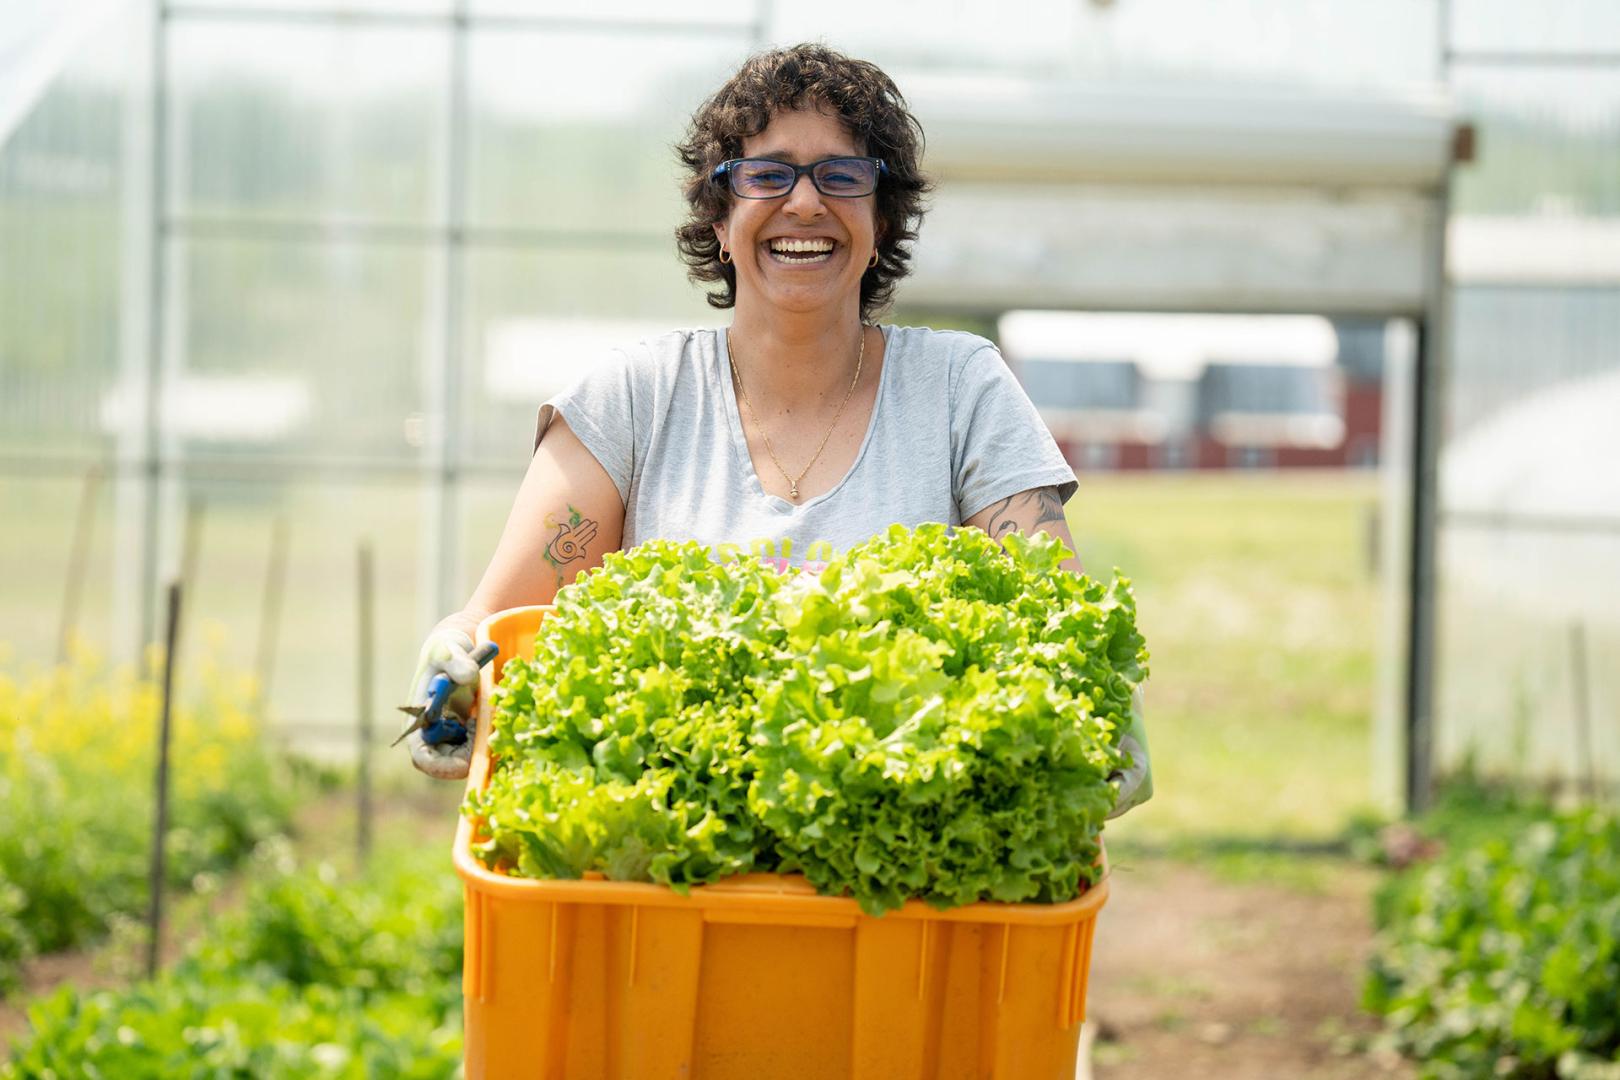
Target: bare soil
(1195, 976)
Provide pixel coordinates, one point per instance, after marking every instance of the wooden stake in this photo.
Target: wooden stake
(191, 548)
(160, 825)
(84, 524)
(1583, 708)
(364, 653)
(275, 586)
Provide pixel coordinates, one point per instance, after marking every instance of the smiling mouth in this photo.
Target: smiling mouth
(800, 252)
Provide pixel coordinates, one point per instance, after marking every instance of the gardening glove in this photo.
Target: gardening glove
(1135, 782)
(449, 652)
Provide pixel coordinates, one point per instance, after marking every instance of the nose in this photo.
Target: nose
(804, 200)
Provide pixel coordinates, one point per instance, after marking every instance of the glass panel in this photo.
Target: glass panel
(36, 553)
(292, 349)
(312, 652)
(62, 185)
(1318, 42)
(695, 12)
(1389, 43)
(1527, 621)
(1511, 342)
(545, 153)
(485, 502)
(535, 317)
(1529, 551)
(307, 121)
(1549, 142)
(1551, 26)
(324, 6)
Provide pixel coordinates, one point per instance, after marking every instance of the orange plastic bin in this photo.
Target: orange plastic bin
(757, 976)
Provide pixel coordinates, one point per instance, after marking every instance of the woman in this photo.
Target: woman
(800, 425)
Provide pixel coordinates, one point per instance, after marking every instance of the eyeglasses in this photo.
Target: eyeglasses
(763, 178)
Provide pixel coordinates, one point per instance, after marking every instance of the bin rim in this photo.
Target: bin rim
(787, 894)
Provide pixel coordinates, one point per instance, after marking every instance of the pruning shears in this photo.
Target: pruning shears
(430, 717)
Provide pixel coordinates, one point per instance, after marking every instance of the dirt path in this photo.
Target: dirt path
(1194, 976)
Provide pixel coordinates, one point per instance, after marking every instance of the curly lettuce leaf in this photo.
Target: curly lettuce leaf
(935, 716)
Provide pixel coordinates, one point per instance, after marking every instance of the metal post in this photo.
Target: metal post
(1397, 455)
(79, 554)
(1428, 397)
(1421, 582)
(445, 520)
(151, 464)
(160, 826)
(364, 654)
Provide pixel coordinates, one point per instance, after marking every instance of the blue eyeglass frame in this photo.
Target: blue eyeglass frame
(722, 173)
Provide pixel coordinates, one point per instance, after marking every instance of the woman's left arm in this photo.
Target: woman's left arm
(1041, 509)
(1036, 510)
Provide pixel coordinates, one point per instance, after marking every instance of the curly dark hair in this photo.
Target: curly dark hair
(804, 76)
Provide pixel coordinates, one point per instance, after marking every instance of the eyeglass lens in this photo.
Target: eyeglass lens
(758, 178)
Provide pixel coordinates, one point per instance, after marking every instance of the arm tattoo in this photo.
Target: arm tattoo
(569, 544)
(1044, 502)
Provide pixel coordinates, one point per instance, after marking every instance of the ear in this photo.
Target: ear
(720, 232)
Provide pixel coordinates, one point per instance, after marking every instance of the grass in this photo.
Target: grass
(1260, 611)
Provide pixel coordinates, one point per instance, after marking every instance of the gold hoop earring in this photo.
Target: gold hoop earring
(874, 261)
(725, 256)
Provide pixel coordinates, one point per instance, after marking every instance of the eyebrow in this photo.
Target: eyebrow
(786, 158)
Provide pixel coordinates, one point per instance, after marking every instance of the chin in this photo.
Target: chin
(802, 304)
(808, 299)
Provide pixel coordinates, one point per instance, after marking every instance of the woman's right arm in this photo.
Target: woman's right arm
(566, 517)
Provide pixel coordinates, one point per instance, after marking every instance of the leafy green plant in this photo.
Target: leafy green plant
(397, 929)
(935, 715)
(175, 1029)
(623, 745)
(315, 977)
(76, 764)
(1503, 957)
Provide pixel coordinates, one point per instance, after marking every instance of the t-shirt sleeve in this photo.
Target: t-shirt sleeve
(999, 444)
(599, 408)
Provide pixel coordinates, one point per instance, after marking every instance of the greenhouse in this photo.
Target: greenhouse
(1317, 301)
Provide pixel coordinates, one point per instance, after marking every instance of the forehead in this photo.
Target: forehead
(802, 136)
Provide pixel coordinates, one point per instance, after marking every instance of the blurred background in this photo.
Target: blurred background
(1320, 299)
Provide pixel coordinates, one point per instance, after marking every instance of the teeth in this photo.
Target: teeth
(801, 245)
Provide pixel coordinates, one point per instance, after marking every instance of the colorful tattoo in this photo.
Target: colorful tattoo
(568, 545)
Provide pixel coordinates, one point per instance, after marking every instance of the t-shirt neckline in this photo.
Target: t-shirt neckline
(721, 372)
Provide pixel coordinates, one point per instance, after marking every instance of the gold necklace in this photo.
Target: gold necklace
(793, 481)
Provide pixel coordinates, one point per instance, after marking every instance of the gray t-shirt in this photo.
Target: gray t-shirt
(951, 433)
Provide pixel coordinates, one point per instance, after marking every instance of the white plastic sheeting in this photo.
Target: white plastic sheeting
(1062, 193)
(995, 127)
(1178, 247)
(37, 39)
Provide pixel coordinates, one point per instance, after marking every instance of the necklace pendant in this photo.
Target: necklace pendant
(793, 492)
